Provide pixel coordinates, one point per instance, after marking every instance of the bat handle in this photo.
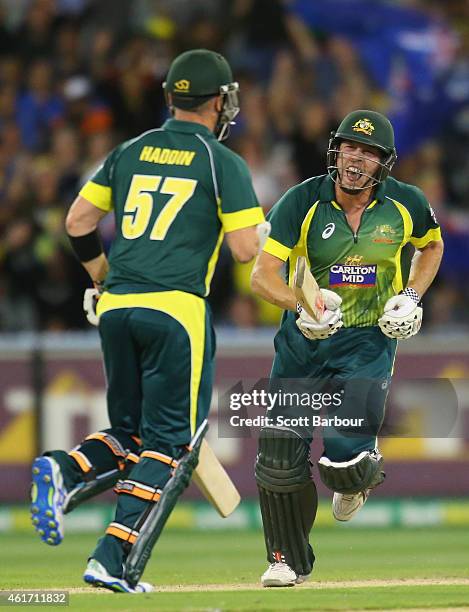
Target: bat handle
(320, 305)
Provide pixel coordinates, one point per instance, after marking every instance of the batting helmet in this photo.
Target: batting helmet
(366, 127)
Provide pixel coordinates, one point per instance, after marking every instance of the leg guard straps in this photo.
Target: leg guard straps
(138, 489)
(139, 493)
(105, 450)
(84, 463)
(113, 444)
(103, 458)
(160, 457)
(122, 532)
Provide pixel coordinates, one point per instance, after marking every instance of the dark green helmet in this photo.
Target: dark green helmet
(198, 75)
(366, 127)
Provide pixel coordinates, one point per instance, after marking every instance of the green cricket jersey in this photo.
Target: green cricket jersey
(367, 268)
(174, 192)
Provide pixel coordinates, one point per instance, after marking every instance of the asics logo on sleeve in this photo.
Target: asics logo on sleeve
(328, 231)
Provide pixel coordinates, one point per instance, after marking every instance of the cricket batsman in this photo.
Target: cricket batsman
(174, 191)
(355, 225)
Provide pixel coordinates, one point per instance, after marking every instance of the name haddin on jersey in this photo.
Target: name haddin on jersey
(173, 157)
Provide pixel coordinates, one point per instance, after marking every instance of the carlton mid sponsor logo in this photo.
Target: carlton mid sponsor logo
(352, 274)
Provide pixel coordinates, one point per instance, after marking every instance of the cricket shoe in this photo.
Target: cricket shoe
(97, 575)
(47, 500)
(345, 506)
(281, 575)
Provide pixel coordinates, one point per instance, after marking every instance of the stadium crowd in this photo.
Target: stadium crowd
(79, 76)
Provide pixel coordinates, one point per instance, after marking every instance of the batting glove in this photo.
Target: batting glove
(90, 301)
(402, 317)
(331, 320)
(263, 232)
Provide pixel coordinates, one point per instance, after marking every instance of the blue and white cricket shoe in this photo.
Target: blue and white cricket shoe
(47, 500)
(97, 575)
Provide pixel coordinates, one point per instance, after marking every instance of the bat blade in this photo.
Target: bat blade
(213, 481)
(307, 290)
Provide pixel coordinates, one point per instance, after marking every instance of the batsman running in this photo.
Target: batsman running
(175, 191)
(357, 228)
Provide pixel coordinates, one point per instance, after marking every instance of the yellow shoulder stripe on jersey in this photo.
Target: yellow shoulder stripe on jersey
(433, 235)
(301, 247)
(398, 283)
(242, 218)
(98, 195)
(302, 243)
(187, 309)
(277, 249)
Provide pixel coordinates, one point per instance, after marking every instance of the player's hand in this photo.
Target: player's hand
(332, 300)
(331, 320)
(402, 317)
(90, 301)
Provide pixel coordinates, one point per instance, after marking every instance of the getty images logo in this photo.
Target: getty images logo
(328, 231)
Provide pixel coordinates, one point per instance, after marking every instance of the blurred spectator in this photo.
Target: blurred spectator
(310, 138)
(39, 107)
(37, 32)
(84, 110)
(446, 309)
(68, 60)
(60, 292)
(134, 91)
(65, 150)
(21, 267)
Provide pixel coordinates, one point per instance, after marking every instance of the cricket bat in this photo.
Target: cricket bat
(307, 290)
(211, 478)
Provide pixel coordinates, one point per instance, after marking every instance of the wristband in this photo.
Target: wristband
(87, 247)
(99, 286)
(414, 296)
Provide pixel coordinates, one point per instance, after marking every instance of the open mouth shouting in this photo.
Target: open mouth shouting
(353, 173)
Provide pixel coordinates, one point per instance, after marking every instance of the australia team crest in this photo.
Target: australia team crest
(364, 126)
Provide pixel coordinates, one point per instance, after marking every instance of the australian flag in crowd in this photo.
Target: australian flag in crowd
(408, 53)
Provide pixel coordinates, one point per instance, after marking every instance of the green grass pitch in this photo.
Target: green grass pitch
(355, 569)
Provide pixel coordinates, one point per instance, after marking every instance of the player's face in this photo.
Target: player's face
(357, 163)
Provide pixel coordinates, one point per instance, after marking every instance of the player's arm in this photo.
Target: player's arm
(425, 264)
(426, 238)
(81, 225)
(243, 243)
(267, 279)
(268, 283)
(239, 210)
(402, 315)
